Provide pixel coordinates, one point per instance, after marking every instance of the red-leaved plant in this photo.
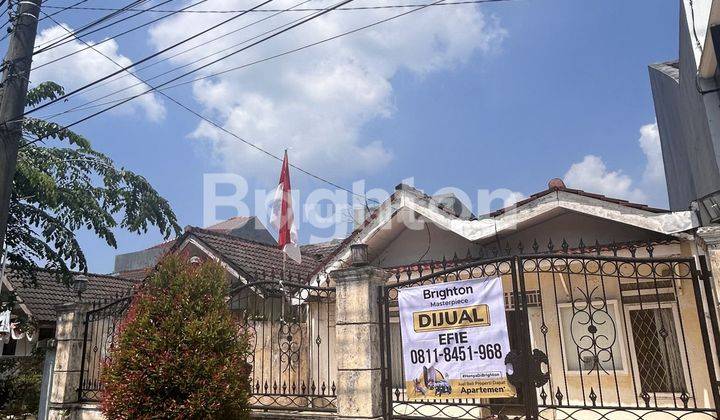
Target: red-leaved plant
(179, 354)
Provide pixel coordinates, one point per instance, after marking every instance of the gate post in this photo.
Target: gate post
(357, 342)
(68, 357)
(708, 238)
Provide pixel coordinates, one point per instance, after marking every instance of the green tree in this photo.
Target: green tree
(179, 354)
(59, 190)
(20, 381)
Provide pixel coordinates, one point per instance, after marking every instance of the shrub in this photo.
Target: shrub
(179, 354)
(20, 381)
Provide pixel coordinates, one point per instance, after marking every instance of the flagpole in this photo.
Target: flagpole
(282, 289)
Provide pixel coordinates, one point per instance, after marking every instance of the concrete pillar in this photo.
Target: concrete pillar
(68, 356)
(357, 342)
(708, 237)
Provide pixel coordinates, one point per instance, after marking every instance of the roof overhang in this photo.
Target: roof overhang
(7, 285)
(384, 220)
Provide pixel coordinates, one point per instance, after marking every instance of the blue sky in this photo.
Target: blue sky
(536, 89)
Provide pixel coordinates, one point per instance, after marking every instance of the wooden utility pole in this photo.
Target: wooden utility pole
(18, 62)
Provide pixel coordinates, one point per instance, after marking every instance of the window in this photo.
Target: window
(591, 337)
(655, 341)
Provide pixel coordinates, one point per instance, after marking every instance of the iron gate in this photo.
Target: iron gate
(591, 337)
(291, 328)
(101, 327)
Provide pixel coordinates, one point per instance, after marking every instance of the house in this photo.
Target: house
(686, 93)
(654, 355)
(652, 351)
(37, 302)
(136, 265)
(240, 242)
(636, 271)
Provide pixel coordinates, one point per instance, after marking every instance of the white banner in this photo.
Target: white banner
(455, 340)
(5, 322)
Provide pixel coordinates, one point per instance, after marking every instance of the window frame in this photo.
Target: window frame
(620, 339)
(637, 384)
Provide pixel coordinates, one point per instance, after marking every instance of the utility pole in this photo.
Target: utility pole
(18, 62)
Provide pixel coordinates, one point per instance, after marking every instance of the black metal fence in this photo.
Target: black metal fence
(591, 336)
(292, 334)
(291, 329)
(101, 329)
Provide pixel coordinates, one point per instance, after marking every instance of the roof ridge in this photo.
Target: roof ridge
(47, 270)
(192, 229)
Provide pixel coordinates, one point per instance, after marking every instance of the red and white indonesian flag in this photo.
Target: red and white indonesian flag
(282, 215)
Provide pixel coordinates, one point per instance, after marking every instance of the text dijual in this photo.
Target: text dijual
(449, 302)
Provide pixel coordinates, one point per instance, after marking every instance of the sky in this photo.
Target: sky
(497, 98)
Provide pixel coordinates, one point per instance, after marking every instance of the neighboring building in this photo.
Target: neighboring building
(37, 302)
(136, 265)
(686, 93)
(248, 260)
(241, 244)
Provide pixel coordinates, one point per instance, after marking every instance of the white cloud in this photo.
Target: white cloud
(592, 174)
(317, 101)
(87, 66)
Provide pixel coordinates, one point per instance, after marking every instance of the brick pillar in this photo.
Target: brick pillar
(68, 355)
(357, 342)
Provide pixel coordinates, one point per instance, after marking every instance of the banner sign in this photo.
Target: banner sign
(455, 340)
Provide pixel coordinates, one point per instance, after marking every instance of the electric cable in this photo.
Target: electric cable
(149, 57)
(125, 32)
(223, 128)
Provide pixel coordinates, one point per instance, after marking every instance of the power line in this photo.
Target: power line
(125, 32)
(220, 127)
(187, 64)
(86, 106)
(62, 9)
(164, 86)
(378, 7)
(201, 45)
(49, 44)
(72, 38)
(151, 56)
(314, 16)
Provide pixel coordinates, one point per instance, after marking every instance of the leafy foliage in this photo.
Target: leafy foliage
(20, 382)
(58, 190)
(179, 354)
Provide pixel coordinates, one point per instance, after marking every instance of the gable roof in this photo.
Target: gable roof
(556, 197)
(40, 300)
(320, 250)
(249, 257)
(556, 185)
(247, 227)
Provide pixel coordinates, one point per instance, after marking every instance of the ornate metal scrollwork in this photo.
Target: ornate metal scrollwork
(593, 345)
(290, 343)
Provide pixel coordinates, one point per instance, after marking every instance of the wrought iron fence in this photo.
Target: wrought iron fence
(591, 336)
(623, 336)
(100, 335)
(397, 403)
(291, 327)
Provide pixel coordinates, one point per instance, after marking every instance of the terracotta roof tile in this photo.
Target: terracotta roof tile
(48, 293)
(253, 257)
(553, 189)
